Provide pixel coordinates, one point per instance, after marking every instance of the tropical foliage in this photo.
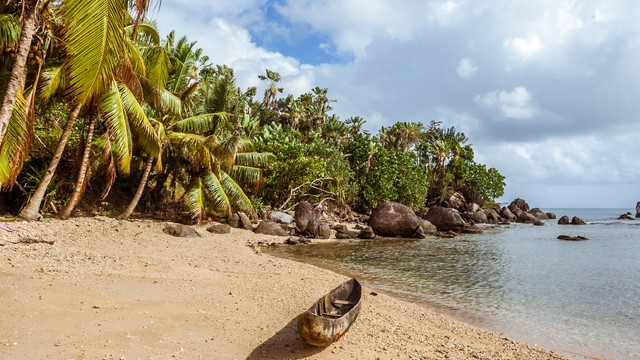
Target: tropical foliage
(97, 106)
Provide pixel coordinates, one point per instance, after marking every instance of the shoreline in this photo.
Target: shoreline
(123, 289)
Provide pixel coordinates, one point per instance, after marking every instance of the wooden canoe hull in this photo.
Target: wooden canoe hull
(332, 315)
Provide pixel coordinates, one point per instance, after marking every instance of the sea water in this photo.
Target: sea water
(579, 298)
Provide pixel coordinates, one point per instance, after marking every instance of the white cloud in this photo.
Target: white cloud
(466, 69)
(515, 104)
(525, 48)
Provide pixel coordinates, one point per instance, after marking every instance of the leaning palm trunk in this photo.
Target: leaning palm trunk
(31, 211)
(77, 190)
(141, 186)
(19, 68)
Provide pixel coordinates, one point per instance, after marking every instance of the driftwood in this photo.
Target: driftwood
(312, 185)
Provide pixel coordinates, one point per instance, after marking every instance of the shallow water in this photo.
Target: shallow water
(574, 297)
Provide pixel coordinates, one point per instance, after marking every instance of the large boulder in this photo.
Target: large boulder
(577, 221)
(564, 220)
(392, 219)
(525, 217)
(551, 216)
(507, 214)
(539, 214)
(281, 217)
(270, 227)
(427, 227)
(492, 216)
(638, 209)
(519, 204)
(366, 233)
(478, 217)
(180, 230)
(445, 219)
(304, 214)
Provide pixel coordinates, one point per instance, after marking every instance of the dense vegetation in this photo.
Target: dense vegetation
(122, 119)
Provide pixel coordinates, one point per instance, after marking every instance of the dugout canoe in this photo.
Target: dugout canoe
(332, 315)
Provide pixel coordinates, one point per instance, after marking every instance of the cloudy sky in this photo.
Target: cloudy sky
(547, 91)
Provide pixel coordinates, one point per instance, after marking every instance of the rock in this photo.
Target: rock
(564, 220)
(626, 216)
(577, 221)
(219, 228)
(478, 217)
(445, 219)
(245, 222)
(507, 214)
(367, 233)
(339, 227)
(304, 214)
(180, 230)
(304, 240)
(449, 234)
(471, 207)
(270, 227)
(456, 201)
(324, 231)
(572, 238)
(281, 217)
(638, 209)
(392, 219)
(525, 217)
(519, 204)
(492, 216)
(234, 221)
(472, 230)
(538, 223)
(551, 216)
(292, 240)
(427, 227)
(345, 234)
(538, 214)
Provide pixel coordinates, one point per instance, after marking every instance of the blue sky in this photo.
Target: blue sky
(547, 91)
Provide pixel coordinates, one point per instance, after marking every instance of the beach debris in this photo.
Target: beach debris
(572, 238)
(7, 227)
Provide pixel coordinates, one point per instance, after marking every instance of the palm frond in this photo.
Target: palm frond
(53, 82)
(194, 200)
(192, 148)
(95, 43)
(135, 58)
(138, 119)
(170, 102)
(157, 61)
(236, 195)
(110, 168)
(148, 30)
(255, 159)
(247, 175)
(16, 142)
(215, 192)
(115, 116)
(9, 31)
(200, 123)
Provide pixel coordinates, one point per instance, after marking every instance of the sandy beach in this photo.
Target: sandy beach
(100, 288)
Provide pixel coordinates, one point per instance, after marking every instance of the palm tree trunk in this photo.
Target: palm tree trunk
(31, 211)
(141, 186)
(77, 190)
(19, 68)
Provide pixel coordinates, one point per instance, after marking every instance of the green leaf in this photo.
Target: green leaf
(146, 134)
(215, 192)
(115, 115)
(95, 44)
(16, 143)
(200, 123)
(195, 200)
(236, 195)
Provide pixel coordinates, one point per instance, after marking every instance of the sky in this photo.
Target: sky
(547, 91)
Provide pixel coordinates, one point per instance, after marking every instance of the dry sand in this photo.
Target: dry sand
(109, 289)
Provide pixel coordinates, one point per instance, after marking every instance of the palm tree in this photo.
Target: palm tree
(95, 43)
(28, 11)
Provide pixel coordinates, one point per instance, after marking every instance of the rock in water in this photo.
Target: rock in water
(445, 219)
(393, 219)
(180, 230)
(638, 209)
(304, 214)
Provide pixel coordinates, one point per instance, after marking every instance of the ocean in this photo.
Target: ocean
(578, 298)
